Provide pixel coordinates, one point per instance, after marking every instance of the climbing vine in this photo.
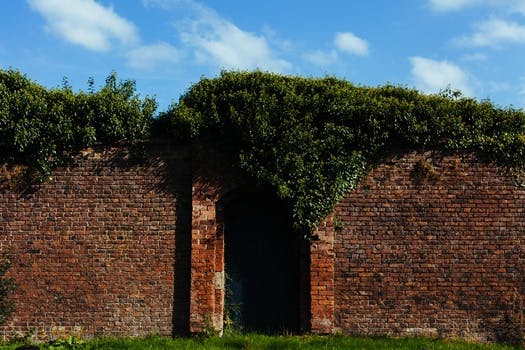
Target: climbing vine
(312, 140)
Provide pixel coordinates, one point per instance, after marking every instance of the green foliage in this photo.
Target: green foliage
(265, 342)
(312, 140)
(41, 127)
(71, 343)
(6, 287)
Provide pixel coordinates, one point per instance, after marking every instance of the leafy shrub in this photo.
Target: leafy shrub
(312, 140)
(41, 127)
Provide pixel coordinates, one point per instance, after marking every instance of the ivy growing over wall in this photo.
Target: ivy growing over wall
(312, 140)
(41, 127)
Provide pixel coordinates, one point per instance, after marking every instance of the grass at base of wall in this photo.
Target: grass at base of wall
(260, 342)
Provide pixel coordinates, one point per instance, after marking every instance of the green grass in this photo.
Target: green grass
(260, 342)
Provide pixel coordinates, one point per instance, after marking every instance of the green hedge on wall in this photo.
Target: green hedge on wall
(41, 127)
(312, 140)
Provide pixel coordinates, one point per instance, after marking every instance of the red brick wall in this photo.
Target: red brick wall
(321, 277)
(427, 244)
(430, 244)
(95, 250)
(212, 179)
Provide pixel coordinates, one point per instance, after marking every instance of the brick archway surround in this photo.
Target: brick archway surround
(210, 183)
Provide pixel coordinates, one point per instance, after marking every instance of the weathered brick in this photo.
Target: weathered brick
(454, 258)
(111, 247)
(90, 253)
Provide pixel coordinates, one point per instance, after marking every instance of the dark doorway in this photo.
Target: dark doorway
(262, 265)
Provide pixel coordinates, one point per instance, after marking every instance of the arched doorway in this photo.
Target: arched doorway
(261, 264)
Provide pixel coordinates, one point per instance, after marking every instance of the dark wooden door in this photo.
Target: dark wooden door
(262, 266)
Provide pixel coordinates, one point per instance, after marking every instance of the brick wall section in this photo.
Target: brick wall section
(206, 296)
(94, 247)
(212, 179)
(431, 244)
(322, 270)
(427, 244)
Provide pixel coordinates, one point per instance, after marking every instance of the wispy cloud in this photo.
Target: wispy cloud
(85, 23)
(519, 7)
(147, 57)
(522, 89)
(475, 57)
(432, 76)
(349, 43)
(322, 58)
(168, 4)
(494, 32)
(456, 5)
(218, 42)
(451, 5)
(497, 30)
(343, 43)
(498, 86)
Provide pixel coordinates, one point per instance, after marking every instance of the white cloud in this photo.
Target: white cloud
(349, 43)
(85, 22)
(519, 7)
(150, 56)
(343, 43)
(475, 57)
(498, 86)
(166, 4)
(432, 76)
(451, 5)
(322, 58)
(493, 33)
(219, 42)
(456, 5)
(522, 89)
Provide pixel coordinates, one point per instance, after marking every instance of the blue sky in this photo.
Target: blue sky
(477, 46)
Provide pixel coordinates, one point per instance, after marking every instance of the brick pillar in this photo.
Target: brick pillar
(212, 177)
(207, 266)
(322, 279)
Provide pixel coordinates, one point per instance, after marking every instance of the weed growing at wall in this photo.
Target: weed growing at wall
(312, 140)
(42, 127)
